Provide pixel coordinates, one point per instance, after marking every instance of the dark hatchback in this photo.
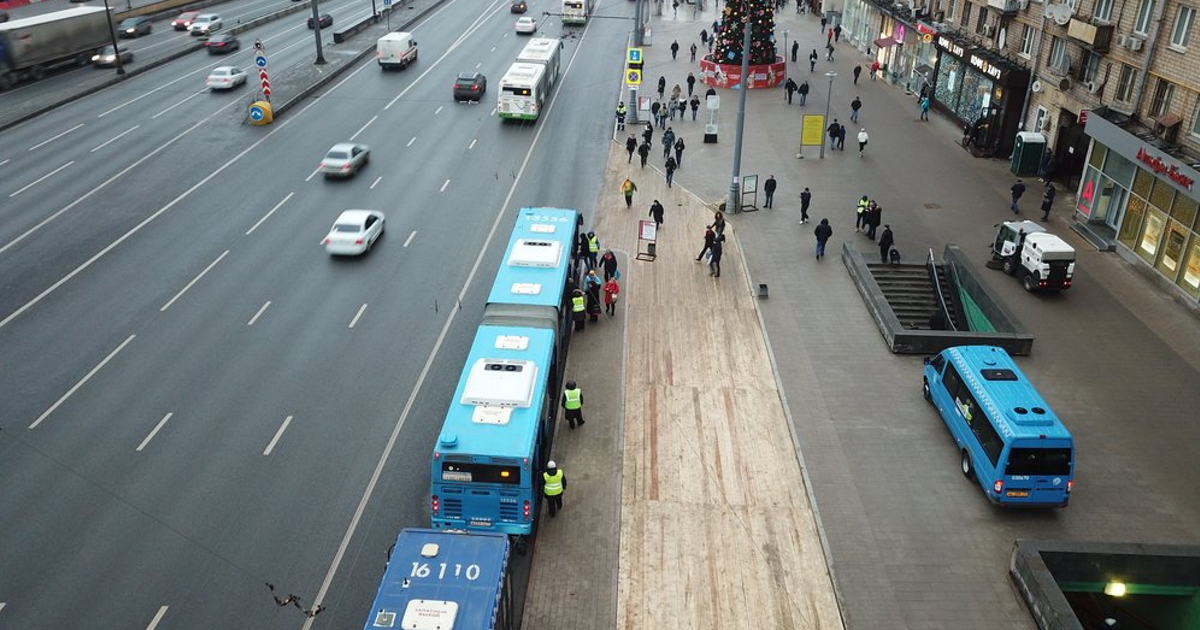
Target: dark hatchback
(222, 43)
(470, 86)
(518, 6)
(326, 21)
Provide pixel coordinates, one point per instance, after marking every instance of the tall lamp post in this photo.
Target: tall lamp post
(735, 183)
(112, 32)
(828, 97)
(316, 18)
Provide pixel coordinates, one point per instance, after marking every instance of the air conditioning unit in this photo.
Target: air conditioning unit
(1122, 40)
(1064, 84)
(1135, 44)
(1036, 87)
(1094, 86)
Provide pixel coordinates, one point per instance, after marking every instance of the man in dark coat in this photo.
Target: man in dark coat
(795, 50)
(805, 199)
(714, 262)
(886, 240)
(823, 232)
(790, 88)
(1017, 189)
(769, 188)
(709, 235)
(644, 152)
(691, 82)
(662, 86)
(1047, 202)
(803, 92)
(631, 147)
(656, 213)
(832, 130)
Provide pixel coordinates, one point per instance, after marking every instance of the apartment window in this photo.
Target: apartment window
(966, 18)
(1196, 121)
(1058, 53)
(1145, 11)
(951, 9)
(1162, 97)
(1125, 83)
(1104, 9)
(1090, 68)
(981, 23)
(1027, 41)
(1183, 27)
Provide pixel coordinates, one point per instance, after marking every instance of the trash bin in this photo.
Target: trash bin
(1027, 153)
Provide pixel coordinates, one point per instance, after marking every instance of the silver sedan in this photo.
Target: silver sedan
(354, 232)
(344, 159)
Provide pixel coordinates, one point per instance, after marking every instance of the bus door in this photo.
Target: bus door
(1038, 472)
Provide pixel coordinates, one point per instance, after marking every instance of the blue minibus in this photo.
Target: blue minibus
(1009, 439)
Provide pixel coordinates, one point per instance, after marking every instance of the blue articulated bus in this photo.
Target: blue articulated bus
(496, 438)
(1010, 440)
(446, 580)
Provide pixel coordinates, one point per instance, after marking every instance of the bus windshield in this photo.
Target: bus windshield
(1039, 461)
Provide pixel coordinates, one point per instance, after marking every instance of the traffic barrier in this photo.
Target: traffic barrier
(341, 35)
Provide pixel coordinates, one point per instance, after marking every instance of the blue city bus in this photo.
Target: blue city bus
(1010, 440)
(437, 579)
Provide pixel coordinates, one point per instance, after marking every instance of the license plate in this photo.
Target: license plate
(478, 522)
(1018, 494)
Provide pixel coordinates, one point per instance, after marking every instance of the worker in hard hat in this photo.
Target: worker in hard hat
(553, 484)
(572, 404)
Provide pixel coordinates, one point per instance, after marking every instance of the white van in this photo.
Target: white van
(396, 50)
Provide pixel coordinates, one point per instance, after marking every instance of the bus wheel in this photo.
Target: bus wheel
(925, 390)
(967, 470)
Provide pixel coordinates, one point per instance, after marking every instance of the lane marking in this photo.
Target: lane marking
(313, 174)
(438, 110)
(115, 138)
(472, 144)
(358, 314)
(268, 215)
(364, 127)
(453, 312)
(81, 383)
(261, 310)
(478, 64)
(493, 112)
(414, 139)
(2, 164)
(410, 238)
(45, 142)
(154, 432)
(278, 434)
(157, 618)
(41, 179)
(194, 281)
(178, 104)
(376, 182)
(447, 183)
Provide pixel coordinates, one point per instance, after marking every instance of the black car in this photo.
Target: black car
(222, 43)
(326, 21)
(3, 16)
(470, 86)
(518, 6)
(134, 27)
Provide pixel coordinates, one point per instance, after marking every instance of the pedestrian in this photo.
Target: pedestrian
(1017, 189)
(718, 224)
(656, 213)
(621, 116)
(593, 245)
(805, 199)
(829, 37)
(832, 130)
(709, 235)
(824, 21)
(886, 240)
(829, 52)
(654, 109)
(572, 404)
(925, 108)
(668, 141)
(627, 189)
(874, 68)
(672, 107)
(812, 61)
(769, 188)
(608, 263)
(691, 80)
(553, 484)
(630, 147)
(662, 114)
(803, 92)
(679, 147)
(578, 309)
(841, 137)
(581, 247)
(874, 218)
(676, 91)
(662, 86)
(682, 107)
(1048, 201)
(837, 33)
(790, 87)
(703, 37)
(611, 289)
(670, 167)
(592, 285)
(644, 152)
(695, 102)
(823, 232)
(860, 213)
(862, 141)
(795, 51)
(675, 7)
(648, 132)
(693, 50)
(714, 258)
(674, 49)
(855, 105)
(857, 71)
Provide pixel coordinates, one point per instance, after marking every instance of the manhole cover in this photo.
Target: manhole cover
(933, 206)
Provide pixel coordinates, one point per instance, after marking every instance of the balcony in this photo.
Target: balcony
(1095, 36)
(1005, 7)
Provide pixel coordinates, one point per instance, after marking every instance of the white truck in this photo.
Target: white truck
(1043, 261)
(396, 50)
(31, 46)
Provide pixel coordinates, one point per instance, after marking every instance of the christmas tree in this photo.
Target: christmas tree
(762, 32)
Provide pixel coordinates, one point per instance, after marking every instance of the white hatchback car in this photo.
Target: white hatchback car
(205, 24)
(354, 232)
(527, 25)
(225, 78)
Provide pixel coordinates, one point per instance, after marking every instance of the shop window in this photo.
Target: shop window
(1152, 233)
(1119, 169)
(1189, 279)
(1142, 182)
(1097, 158)
(1104, 10)
(1125, 84)
(1145, 11)
(1183, 27)
(1163, 195)
(1135, 210)
(1184, 210)
(1163, 91)
(1172, 250)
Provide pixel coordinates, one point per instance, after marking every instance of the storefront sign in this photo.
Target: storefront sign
(1087, 197)
(925, 29)
(1162, 168)
(949, 46)
(986, 67)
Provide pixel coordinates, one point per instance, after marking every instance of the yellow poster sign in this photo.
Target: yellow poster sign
(812, 131)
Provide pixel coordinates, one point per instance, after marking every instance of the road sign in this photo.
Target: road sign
(262, 76)
(260, 61)
(387, 3)
(634, 55)
(256, 113)
(633, 77)
(267, 90)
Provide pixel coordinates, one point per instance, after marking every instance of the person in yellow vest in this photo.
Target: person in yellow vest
(579, 309)
(593, 249)
(860, 213)
(572, 404)
(553, 484)
(621, 116)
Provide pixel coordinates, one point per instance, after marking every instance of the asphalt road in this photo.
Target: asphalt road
(208, 298)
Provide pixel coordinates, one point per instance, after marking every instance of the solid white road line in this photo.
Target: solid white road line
(358, 314)
(364, 127)
(410, 238)
(154, 432)
(267, 215)
(473, 144)
(444, 185)
(438, 110)
(45, 142)
(157, 618)
(414, 139)
(194, 281)
(453, 312)
(82, 381)
(40, 179)
(376, 182)
(259, 313)
(115, 138)
(178, 104)
(278, 434)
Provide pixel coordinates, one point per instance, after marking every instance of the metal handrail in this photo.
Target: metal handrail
(929, 263)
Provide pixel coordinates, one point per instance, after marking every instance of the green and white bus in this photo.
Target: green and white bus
(524, 91)
(574, 12)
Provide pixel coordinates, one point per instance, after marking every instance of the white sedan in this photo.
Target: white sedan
(225, 78)
(527, 25)
(354, 232)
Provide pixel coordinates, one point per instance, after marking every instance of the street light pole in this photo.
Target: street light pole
(828, 97)
(735, 183)
(316, 18)
(112, 32)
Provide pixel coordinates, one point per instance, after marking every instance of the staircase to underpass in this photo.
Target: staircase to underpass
(912, 296)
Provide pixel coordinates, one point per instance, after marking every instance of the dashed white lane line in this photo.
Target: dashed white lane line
(278, 434)
(444, 185)
(410, 238)
(358, 314)
(478, 64)
(438, 110)
(268, 215)
(157, 618)
(5, 162)
(414, 139)
(45, 142)
(364, 127)
(154, 432)
(376, 182)
(313, 174)
(41, 179)
(473, 144)
(194, 281)
(81, 383)
(114, 138)
(493, 112)
(178, 104)
(261, 310)
(2, 604)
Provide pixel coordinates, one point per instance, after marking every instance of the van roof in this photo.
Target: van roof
(395, 37)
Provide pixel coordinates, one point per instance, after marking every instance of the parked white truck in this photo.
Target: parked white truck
(31, 46)
(1043, 261)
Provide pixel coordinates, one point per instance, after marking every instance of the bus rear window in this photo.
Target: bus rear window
(467, 472)
(1039, 461)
